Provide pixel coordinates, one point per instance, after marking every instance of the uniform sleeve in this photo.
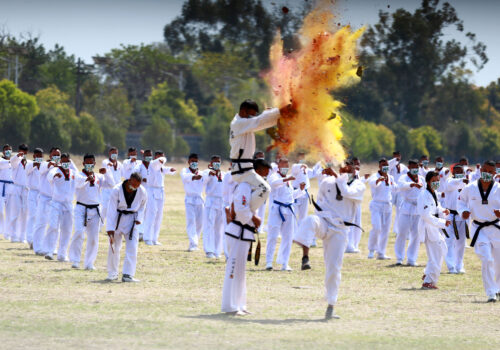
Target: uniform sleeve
(50, 175)
(15, 161)
(298, 193)
(30, 166)
(241, 202)
(112, 210)
(404, 185)
(186, 176)
(142, 207)
(4, 163)
(80, 180)
(267, 119)
(425, 211)
(393, 163)
(168, 170)
(276, 181)
(72, 166)
(463, 201)
(157, 163)
(354, 192)
(453, 184)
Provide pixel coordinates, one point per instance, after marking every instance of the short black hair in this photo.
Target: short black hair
(113, 148)
(396, 152)
(249, 104)
(88, 156)
(355, 159)
(438, 157)
(159, 152)
(423, 156)
(215, 156)
(38, 150)
(65, 155)
(54, 148)
(261, 163)
(383, 159)
(137, 176)
(132, 149)
(23, 147)
(148, 151)
(258, 152)
(6, 146)
(490, 163)
(464, 159)
(430, 175)
(349, 162)
(413, 161)
(193, 155)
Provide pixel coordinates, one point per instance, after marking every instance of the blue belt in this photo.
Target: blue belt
(308, 196)
(5, 182)
(289, 206)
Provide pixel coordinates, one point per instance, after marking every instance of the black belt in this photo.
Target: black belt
(254, 230)
(443, 230)
(455, 228)
(240, 160)
(87, 207)
(481, 225)
(318, 208)
(125, 212)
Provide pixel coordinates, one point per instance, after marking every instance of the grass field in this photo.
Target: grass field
(46, 304)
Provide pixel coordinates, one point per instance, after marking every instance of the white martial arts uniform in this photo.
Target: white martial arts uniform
(121, 219)
(5, 185)
(282, 220)
(355, 232)
(116, 174)
(381, 213)
(408, 220)
(487, 245)
(194, 205)
(329, 225)
(227, 194)
(396, 170)
(61, 212)
(242, 141)
(432, 222)
(18, 199)
(87, 217)
(240, 234)
(33, 172)
(155, 175)
(43, 208)
(456, 247)
(213, 214)
(129, 166)
(422, 171)
(302, 174)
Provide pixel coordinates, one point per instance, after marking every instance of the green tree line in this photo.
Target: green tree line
(416, 93)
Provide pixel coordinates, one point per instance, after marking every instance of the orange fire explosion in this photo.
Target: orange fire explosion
(305, 79)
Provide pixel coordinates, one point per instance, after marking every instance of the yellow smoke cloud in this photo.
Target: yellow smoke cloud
(305, 80)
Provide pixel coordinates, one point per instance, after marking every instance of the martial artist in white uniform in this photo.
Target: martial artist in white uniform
(431, 226)
(410, 186)
(87, 215)
(17, 212)
(382, 186)
(228, 186)
(44, 199)
(480, 201)
(115, 168)
(155, 175)
(193, 182)
(261, 212)
(213, 213)
(443, 175)
(302, 174)
(335, 212)
(33, 173)
(239, 235)
(282, 220)
(127, 205)
(423, 166)
(396, 170)
(5, 183)
(63, 182)
(457, 232)
(242, 141)
(354, 236)
(129, 165)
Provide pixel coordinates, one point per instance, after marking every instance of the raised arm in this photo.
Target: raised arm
(355, 191)
(267, 119)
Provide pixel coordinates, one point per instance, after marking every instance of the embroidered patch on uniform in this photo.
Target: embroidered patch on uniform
(244, 200)
(231, 276)
(426, 207)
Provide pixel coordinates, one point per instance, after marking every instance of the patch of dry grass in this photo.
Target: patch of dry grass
(47, 304)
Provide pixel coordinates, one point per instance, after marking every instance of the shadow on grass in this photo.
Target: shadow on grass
(249, 319)
(19, 248)
(414, 289)
(401, 266)
(105, 281)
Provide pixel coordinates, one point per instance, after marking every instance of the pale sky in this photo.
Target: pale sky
(89, 27)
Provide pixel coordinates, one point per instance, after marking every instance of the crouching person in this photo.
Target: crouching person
(125, 210)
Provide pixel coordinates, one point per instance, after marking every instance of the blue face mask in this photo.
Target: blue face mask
(216, 166)
(38, 160)
(486, 177)
(148, 158)
(459, 176)
(193, 165)
(435, 185)
(439, 165)
(65, 165)
(113, 156)
(56, 159)
(385, 169)
(498, 170)
(7, 153)
(425, 163)
(414, 171)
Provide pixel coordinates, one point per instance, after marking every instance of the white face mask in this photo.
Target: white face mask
(148, 158)
(132, 188)
(302, 161)
(38, 160)
(414, 171)
(439, 165)
(486, 177)
(113, 156)
(435, 185)
(283, 171)
(385, 169)
(216, 166)
(459, 176)
(56, 159)
(65, 165)
(425, 163)
(193, 165)
(7, 153)
(88, 167)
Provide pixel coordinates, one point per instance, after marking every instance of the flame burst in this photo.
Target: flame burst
(305, 79)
